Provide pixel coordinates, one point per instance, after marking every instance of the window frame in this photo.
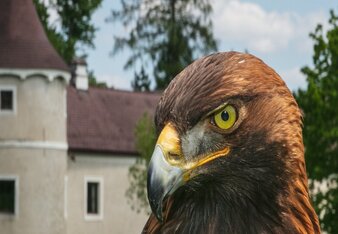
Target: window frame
(14, 178)
(99, 180)
(13, 89)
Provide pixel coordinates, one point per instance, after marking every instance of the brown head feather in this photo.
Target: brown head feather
(212, 80)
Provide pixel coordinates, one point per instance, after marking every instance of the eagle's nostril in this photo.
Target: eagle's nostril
(174, 159)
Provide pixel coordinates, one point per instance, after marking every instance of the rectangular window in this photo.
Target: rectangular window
(7, 196)
(93, 198)
(7, 99)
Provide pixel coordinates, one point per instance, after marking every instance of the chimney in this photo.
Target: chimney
(80, 74)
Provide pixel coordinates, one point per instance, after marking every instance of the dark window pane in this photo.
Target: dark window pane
(7, 196)
(6, 100)
(93, 198)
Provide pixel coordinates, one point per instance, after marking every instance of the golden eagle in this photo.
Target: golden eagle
(230, 155)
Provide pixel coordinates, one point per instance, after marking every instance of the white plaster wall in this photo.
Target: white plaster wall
(40, 174)
(40, 114)
(118, 218)
(26, 141)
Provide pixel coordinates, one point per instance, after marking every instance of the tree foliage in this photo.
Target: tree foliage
(141, 81)
(145, 142)
(168, 34)
(92, 81)
(76, 29)
(53, 35)
(319, 103)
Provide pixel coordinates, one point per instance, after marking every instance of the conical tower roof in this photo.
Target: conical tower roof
(23, 42)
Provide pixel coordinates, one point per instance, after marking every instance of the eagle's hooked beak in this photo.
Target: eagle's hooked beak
(164, 177)
(168, 168)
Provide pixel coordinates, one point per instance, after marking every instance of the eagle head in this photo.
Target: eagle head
(229, 156)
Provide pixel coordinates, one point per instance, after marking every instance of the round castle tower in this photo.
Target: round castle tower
(33, 134)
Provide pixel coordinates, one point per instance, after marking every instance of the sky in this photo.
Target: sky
(277, 31)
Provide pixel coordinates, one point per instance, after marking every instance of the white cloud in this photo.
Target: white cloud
(305, 25)
(257, 29)
(249, 24)
(293, 78)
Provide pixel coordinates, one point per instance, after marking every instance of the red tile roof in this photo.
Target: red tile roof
(23, 42)
(103, 120)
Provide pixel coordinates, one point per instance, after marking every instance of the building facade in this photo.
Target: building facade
(65, 149)
(101, 148)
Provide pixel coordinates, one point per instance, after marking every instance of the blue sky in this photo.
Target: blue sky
(275, 31)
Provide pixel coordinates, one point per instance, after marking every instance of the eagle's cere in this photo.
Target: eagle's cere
(230, 155)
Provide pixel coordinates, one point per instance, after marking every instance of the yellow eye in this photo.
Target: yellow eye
(226, 118)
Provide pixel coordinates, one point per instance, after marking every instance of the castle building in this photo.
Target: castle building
(65, 148)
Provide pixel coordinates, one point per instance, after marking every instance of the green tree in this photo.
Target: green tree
(167, 34)
(141, 81)
(319, 103)
(145, 142)
(93, 81)
(77, 30)
(53, 35)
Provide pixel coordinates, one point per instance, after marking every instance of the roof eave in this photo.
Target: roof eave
(24, 73)
(104, 152)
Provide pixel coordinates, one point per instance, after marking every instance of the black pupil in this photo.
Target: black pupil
(225, 115)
